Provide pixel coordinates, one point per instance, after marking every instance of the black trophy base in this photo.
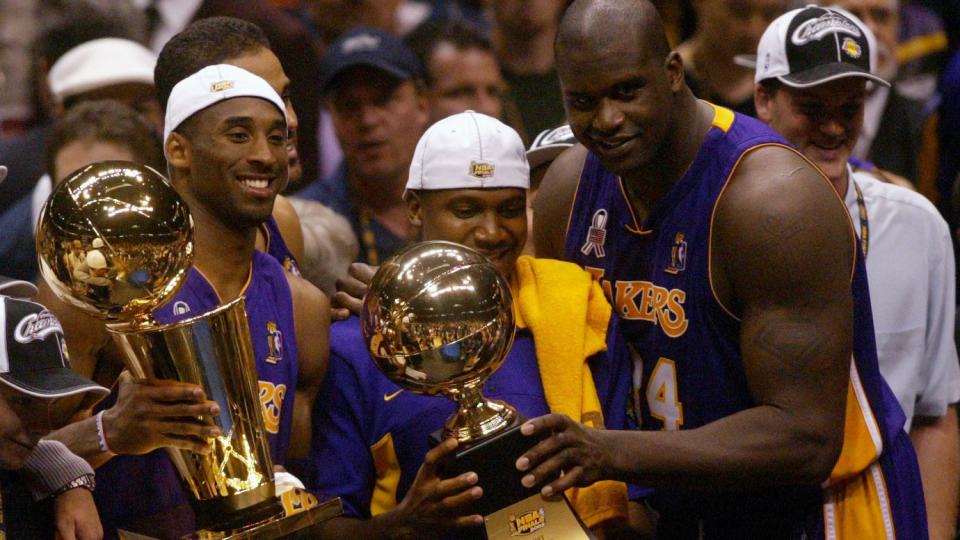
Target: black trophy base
(504, 497)
(494, 460)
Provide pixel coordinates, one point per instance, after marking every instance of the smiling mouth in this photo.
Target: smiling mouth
(256, 183)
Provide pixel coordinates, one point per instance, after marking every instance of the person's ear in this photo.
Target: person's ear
(763, 101)
(414, 208)
(178, 152)
(674, 66)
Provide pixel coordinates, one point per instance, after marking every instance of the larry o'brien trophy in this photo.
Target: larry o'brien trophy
(438, 319)
(115, 240)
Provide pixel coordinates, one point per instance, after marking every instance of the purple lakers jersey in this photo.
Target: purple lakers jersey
(277, 248)
(689, 372)
(148, 485)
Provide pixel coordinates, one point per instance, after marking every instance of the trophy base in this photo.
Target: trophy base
(300, 524)
(508, 508)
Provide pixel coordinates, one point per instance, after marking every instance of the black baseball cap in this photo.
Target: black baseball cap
(549, 144)
(813, 45)
(372, 47)
(33, 354)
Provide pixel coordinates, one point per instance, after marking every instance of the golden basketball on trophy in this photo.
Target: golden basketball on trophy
(438, 319)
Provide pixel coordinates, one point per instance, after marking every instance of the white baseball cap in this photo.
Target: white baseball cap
(469, 150)
(99, 63)
(96, 260)
(813, 45)
(210, 86)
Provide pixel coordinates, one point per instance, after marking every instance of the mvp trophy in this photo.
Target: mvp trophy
(438, 319)
(116, 241)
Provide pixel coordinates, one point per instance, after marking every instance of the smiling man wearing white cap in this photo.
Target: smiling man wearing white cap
(813, 68)
(225, 142)
(467, 183)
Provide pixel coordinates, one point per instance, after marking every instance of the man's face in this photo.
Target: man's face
(882, 18)
(464, 79)
(265, 64)
(491, 221)
(378, 121)
(619, 102)
(23, 421)
(527, 16)
(77, 247)
(735, 26)
(238, 160)
(823, 121)
(76, 154)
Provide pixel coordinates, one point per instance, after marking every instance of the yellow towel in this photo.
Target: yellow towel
(566, 312)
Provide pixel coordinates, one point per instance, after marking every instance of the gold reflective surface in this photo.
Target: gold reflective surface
(438, 319)
(115, 240)
(213, 352)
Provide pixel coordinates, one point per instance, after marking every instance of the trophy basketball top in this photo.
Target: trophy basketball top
(115, 240)
(438, 318)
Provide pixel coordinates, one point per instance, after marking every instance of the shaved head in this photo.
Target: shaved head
(610, 24)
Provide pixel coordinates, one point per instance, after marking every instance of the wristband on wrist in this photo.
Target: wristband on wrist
(87, 481)
(102, 435)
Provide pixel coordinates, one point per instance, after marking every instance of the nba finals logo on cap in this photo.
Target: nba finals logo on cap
(828, 23)
(220, 86)
(480, 169)
(36, 326)
(852, 48)
(527, 523)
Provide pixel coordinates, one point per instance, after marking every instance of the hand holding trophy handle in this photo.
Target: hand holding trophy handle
(154, 413)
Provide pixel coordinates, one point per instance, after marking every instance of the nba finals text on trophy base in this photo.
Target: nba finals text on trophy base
(138, 237)
(438, 319)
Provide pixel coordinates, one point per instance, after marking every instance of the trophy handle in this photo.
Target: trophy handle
(477, 417)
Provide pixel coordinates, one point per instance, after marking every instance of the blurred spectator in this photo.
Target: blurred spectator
(679, 19)
(725, 29)
(893, 123)
(921, 50)
(90, 131)
(289, 39)
(523, 34)
(106, 68)
(24, 154)
(462, 71)
(373, 86)
(329, 244)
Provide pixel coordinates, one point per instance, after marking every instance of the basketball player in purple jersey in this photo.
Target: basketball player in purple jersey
(733, 266)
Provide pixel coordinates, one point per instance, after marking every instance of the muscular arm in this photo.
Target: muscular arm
(289, 224)
(937, 442)
(312, 321)
(551, 209)
(782, 253)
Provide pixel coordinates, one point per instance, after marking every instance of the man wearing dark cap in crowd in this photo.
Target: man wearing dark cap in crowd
(373, 86)
(34, 371)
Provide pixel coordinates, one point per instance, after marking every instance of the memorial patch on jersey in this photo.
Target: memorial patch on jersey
(181, 308)
(271, 403)
(274, 344)
(678, 255)
(596, 234)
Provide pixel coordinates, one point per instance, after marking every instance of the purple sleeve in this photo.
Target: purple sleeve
(340, 463)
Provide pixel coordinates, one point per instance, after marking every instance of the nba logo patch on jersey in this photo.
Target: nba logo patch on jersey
(596, 235)
(181, 308)
(274, 343)
(678, 255)
(291, 266)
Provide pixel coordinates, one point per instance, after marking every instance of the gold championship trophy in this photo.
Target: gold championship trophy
(438, 319)
(116, 241)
